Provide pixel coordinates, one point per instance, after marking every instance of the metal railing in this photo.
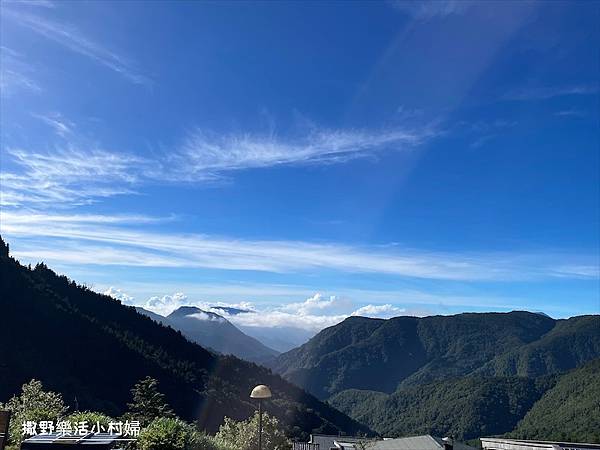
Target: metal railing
(305, 446)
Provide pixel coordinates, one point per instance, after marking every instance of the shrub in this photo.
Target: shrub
(244, 435)
(34, 404)
(148, 402)
(167, 433)
(93, 418)
(205, 442)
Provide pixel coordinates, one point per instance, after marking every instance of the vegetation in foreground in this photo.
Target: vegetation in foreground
(161, 428)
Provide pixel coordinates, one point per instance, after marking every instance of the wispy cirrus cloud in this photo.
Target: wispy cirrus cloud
(16, 74)
(68, 36)
(428, 9)
(67, 176)
(35, 3)
(61, 125)
(548, 92)
(85, 242)
(575, 113)
(208, 155)
(77, 172)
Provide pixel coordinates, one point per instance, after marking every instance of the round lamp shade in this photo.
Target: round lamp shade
(261, 391)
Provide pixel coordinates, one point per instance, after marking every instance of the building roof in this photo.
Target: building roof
(522, 444)
(327, 441)
(425, 442)
(57, 441)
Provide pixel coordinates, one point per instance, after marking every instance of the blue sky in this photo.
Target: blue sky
(307, 160)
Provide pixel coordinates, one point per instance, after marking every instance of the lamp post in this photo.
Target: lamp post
(260, 393)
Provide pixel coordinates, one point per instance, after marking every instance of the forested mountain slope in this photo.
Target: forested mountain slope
(380, 355)
(569, 411)
(569, 344)
(90, 347)
(467, 375)
(465, 408)
(555, 407)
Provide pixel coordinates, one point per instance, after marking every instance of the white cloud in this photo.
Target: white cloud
(67, 176)
(273, 308)
(427, 9)
(36, 3)
(292, 315)
(77, 172)
(56, 121)
(316, 303)
(577, 271)
(547, 92)
(32, 218)
(113, 243)
(242, 306)
(570, 113)
(16, 74)
(381, 311)
(283, 319)
(207, 317)
(166, 304)
(206, 156)
(119, 295)
(71, 38)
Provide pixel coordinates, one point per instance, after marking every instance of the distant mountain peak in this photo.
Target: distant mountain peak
(197, 313)
(214, 331)
(231, 310)
(183, 311)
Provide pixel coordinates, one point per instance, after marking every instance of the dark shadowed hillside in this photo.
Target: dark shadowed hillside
(89, 346)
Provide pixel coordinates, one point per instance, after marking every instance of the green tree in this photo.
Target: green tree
(167, 433)
(148, 403)
(92, 418)
(203, 441)
(244, 435)
(34, 404)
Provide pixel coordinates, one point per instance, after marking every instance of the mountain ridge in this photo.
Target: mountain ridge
(213, 331)
(466, 375)
(381, 355)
